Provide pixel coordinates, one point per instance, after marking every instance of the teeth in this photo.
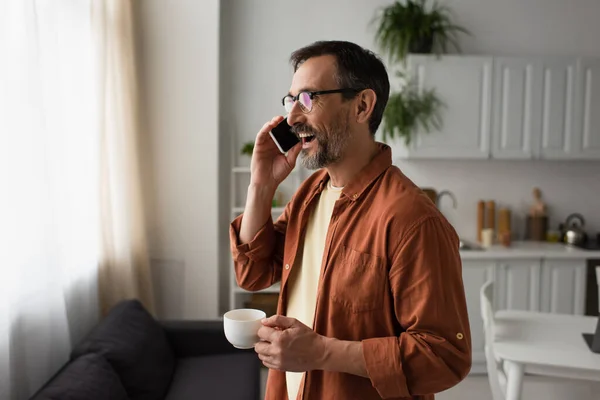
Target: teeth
(305, 135)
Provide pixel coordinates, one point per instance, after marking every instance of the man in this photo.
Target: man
(372, 303)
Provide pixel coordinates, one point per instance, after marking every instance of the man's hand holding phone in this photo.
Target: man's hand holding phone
(269, 166)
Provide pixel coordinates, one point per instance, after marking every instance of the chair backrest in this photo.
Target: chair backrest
(496, 376)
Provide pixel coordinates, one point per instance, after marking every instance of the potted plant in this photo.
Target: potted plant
(411, 26)
(409, 109)
(247, 149)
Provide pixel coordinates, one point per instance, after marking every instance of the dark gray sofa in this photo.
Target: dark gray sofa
(130, 355)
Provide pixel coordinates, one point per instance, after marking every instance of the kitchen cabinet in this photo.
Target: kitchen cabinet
(587, 104)
(464, 84)
(517, 108)
(534, 104)
(563, 286)
(559, 90)
(518, 283)
(517, 111)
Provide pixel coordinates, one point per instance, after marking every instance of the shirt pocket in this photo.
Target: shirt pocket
(359, 281)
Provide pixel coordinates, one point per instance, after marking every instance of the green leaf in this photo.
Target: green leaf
(410, 112)
(247, 148)
(402, 24)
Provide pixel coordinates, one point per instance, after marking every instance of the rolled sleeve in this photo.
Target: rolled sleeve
(384, 367)
(257, 263)
(259, 248)
(434, 351)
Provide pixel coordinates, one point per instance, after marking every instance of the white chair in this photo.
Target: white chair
(496, 375)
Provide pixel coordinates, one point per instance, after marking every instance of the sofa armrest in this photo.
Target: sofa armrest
(198, 338)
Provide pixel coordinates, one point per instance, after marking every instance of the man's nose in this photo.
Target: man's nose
(295, 116)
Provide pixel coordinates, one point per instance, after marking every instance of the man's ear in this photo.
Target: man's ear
(365, 103)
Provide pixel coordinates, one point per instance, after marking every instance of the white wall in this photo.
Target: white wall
(179, 57)
(259, 36)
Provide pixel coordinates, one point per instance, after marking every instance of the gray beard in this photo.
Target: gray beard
(330, 148)
(320, 159)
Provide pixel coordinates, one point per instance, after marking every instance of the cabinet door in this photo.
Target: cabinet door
(517, 108)
(558, 139)
(518, 285)
(586, 143)
(463, 84)
(475, 274)
(563, 286)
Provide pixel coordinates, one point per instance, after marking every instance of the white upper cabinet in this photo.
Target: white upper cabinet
(464, 85)
(517, 112)
(586, 144)
(511, 107)
(559, 90)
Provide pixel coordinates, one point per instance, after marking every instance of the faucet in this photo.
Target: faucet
(444, 193)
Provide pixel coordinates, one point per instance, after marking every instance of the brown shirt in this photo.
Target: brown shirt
(391, 277)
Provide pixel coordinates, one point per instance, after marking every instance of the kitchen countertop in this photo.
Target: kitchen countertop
(526, 250)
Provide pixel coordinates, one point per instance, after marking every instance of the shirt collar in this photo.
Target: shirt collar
(354, 189)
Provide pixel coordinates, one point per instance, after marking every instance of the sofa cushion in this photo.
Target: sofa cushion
(136, 347)
(229, 376)
(89, 377)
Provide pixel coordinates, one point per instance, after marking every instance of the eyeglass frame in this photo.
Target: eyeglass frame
(312, 94)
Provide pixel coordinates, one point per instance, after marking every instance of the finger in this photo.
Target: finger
(276, 120)
(267, 126)
(263, 132)
(271, 124)
(279, 321)
(263, 136)
(264, 347)
(265, 333)
(271, 366)
(261, 347)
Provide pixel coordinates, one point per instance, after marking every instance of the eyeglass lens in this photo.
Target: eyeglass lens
(304, 100)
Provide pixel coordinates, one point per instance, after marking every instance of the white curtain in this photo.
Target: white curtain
(124, 261)
(49, 192)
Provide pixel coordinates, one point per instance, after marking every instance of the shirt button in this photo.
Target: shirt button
(459, 336)
(354, 196)
(287, 266)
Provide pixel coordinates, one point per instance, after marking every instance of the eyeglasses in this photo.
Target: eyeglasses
(306, 98)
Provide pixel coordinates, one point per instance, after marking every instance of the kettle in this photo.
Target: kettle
(574, 233)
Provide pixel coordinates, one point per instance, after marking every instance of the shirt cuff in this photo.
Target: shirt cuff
(384, 367)
(260, 247)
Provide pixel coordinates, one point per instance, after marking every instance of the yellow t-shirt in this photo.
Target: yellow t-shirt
(304, 279)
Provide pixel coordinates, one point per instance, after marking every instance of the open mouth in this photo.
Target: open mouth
(306, 137)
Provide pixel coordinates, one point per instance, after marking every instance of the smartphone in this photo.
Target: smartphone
(283, 136)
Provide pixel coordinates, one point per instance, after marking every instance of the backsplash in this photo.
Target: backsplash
(567, 187)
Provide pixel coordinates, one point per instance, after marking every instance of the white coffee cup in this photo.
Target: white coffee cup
(241, 327)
